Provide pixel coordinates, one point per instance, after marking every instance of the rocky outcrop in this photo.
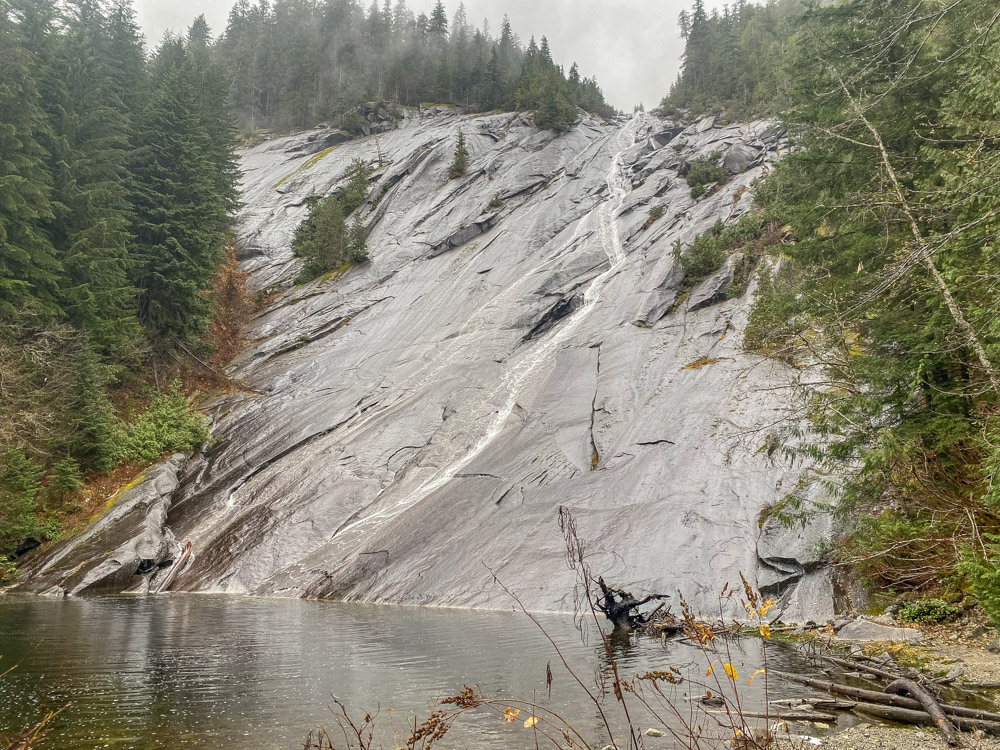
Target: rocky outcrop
(121, 550)
(415, 425)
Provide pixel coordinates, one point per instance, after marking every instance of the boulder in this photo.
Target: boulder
(740, 158)
(134, 530)
(714, 289)
(866, 630)
(811, 600)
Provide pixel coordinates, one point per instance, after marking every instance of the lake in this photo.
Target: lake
(170, 671)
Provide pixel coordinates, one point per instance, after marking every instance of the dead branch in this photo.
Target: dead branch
(905, 687)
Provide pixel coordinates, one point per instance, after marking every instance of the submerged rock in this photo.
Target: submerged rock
(416, 424)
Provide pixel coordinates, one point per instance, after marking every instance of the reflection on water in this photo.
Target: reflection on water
(241, 674)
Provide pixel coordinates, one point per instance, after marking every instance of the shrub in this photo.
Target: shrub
(703, 172)
(775, 320)
(656, 213)
(170, 425)
(495, 203)
(983, 575)
(705, 256)
(927, 610)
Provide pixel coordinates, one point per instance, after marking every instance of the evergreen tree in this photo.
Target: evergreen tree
(180, 218)
(97, 440)
(357, 241)
(29, 271)
(460, 163)
(93, 230)
(321, 239)
(20, 478)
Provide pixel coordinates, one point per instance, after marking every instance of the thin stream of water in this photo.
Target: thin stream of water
(524, 369)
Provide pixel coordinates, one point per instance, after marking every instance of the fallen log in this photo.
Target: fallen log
(622, 608)
(821, 705)
(884, 699)
(905, 687)
(908, 716)
(860, 667)
(810, 716)
(175, 569)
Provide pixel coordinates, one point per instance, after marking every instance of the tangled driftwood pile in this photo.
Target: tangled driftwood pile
(908, 698)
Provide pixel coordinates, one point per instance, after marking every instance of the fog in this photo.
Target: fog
(632, 46)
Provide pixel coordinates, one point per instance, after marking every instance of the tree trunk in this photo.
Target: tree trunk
(873, 696)
(904, 687)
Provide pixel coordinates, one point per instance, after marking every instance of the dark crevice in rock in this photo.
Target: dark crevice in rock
(504, 496)
(404, 448)
(595, 454)
(464, 234)
(321, 333)
(657, 442)
(287, 452)
(565, 307)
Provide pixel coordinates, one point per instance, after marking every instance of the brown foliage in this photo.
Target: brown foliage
(234, 306)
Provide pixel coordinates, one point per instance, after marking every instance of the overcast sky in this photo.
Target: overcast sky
(632, 46)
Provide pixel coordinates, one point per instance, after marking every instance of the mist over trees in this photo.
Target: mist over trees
(296, 63)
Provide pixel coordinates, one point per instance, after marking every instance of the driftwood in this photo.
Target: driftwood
(175, 569)
(864, 668)
(821, 705)
(909, 716)
(885, 699)
(905, 687)
(812, 716)
(622, 609)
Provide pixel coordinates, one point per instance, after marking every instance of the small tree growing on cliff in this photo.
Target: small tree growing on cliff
(357, 241)
(460, 163)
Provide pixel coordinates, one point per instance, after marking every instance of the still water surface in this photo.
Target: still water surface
(248, 674)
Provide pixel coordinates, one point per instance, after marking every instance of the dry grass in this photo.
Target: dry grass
(703, 362)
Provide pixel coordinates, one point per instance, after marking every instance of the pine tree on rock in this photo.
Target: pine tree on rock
(357, 241)
(321, 239)
(460, 164)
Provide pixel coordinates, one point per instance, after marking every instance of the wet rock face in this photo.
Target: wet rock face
(118, 552)
(513, 346)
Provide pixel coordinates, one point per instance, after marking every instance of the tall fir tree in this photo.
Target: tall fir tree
(30, 273)
(93, 232)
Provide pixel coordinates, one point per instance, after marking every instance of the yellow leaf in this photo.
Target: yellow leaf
(531, 722)
(510, 714)
(765, 631)
(711, 667)
(731, 671)
(759, 671)
(766, 607)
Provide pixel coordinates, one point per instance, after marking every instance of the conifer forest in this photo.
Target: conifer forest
(369, 302)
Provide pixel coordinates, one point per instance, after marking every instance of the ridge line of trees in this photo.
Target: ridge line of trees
(296, 63)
